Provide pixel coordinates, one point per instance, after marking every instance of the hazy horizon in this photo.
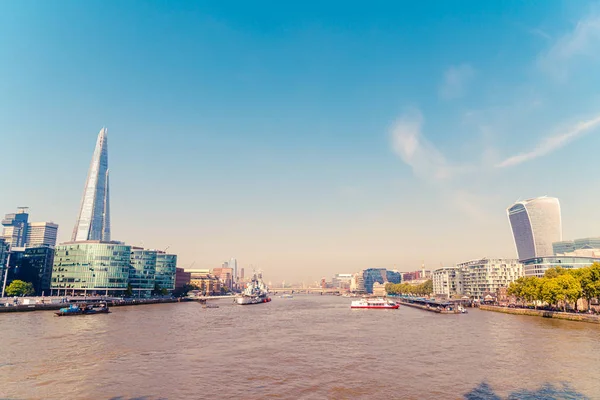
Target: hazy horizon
(304, 139)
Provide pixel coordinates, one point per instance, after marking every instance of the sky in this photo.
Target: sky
(304, 138)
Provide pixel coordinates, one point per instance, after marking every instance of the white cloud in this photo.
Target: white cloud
(583, 41)
(552, 143)
(416, 151)
(456, 79)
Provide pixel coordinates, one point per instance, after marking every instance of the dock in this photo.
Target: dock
(439, 307)
(111, 302)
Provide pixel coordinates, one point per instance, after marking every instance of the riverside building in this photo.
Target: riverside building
(142, 271)
(91, 266)
(447, 282)
(487, 275)
(567, 246)
(536, 224)
(579, 258)
(166, 268)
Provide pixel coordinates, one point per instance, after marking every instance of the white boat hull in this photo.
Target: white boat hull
(245, 300)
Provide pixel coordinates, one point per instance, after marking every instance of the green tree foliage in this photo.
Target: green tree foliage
(425, 288)
(129, 290)
(589, 278)
(19, 288)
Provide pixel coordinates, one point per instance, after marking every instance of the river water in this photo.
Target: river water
(308, 347)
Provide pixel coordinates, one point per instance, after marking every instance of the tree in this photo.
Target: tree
(129, 290)
(589, 279)
(555, 272)
(156, 290)
(531, 289)
(571, 289)
(19, 288)
(551, 292)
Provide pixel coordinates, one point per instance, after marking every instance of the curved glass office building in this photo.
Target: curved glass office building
(535, 224)
(91, 266)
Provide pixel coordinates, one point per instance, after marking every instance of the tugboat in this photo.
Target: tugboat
(256, 292)
(374, 303)
(83, 309)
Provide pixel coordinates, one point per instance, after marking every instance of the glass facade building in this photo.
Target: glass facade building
(536, 224)
(93, 222)
(33, 265)
(166, 268)
(15, 227)
(567, 246)
(95, 266)
(142, 271)
(372, 275)
(394, 276)
(537, 266)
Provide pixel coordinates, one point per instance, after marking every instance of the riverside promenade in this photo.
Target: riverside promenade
(594, 319)
(56, 303)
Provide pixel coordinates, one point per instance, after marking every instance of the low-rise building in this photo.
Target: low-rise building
(142, 271)
(91, 266)
(182, 278)
(379, 289)
(341, 281)
(206, 282)
(358, 283)
(575, 259)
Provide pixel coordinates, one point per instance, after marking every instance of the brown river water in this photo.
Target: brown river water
(308, 347)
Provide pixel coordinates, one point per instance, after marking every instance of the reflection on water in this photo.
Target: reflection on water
(305, 347)
(548, 391)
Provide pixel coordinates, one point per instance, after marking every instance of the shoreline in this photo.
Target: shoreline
(110, 303)
(592, 319)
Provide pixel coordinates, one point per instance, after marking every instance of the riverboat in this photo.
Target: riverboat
(256, 292)
(83, 309)
(375, 303)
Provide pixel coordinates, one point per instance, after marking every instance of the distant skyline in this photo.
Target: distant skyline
(304, 139)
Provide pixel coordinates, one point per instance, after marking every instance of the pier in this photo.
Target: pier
(429, 305)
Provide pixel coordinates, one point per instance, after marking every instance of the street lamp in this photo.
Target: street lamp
(6, 272)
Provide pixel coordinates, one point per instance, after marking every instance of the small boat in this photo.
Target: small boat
(462, 310)
(83, 309)
(210, 306)
(287, 296)
(375, 303)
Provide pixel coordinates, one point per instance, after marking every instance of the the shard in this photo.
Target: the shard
(94, 215)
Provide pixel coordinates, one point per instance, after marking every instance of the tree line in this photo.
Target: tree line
(559, 286)
(422, 289)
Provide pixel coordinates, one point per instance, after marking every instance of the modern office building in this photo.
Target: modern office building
(91, 266)
(579, 258)
(41, 234)
(15, 227)
(536, 224)
(33, 265)
(233, 265)
(487, 275)
(19, 232)
(393, 276)
(564, 246)
(166, 268)
(447, 282)
(93, 222)
(142, 271)
(4, 248)
(567, 246)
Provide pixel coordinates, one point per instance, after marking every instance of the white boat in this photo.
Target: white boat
(374, 303)
(256, 292)
(287, 296)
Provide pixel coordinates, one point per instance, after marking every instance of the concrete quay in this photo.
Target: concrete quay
(113, 302)
(594, 319)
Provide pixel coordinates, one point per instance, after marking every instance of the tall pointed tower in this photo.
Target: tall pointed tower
(94, 215)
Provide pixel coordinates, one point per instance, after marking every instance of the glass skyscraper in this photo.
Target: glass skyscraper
(536, 224)
(93, 222)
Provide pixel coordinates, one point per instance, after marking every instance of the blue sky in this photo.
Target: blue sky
(304, 139)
